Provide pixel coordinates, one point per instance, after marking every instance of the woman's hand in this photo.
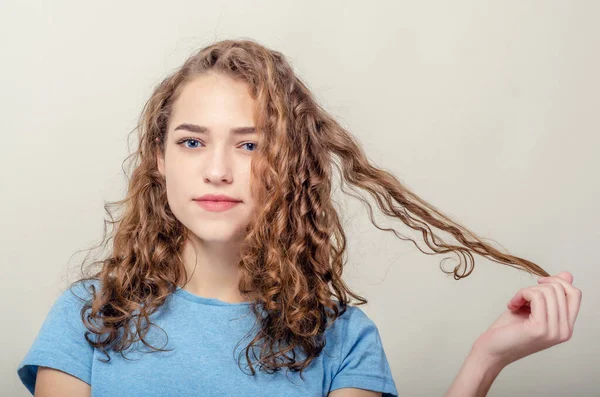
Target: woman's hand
(539, 317)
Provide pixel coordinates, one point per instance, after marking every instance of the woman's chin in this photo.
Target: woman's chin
(216, 236)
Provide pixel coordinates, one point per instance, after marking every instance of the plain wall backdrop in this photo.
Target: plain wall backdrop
(488, 110)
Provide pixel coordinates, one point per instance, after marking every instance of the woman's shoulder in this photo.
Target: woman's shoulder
(353, 322)
(353, 314)
(78, 292)
(61, 340)
(359, 358)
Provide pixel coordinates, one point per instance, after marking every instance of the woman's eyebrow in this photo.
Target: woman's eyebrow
(201, 129)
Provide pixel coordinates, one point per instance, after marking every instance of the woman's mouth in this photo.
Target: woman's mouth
(216, 206)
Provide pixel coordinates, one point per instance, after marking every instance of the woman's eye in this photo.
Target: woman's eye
(196, 142)
(183, 141)
(250, 143)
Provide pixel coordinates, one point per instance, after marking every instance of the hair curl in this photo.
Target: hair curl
(292, 257)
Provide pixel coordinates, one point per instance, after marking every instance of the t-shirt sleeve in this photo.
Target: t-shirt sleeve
(60, 342)
(362, 361)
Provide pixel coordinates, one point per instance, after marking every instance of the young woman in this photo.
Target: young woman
(226, 261)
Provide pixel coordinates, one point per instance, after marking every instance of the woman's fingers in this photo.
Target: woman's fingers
(572, 297)
(556, 303)
(537, 303)
(564, 327)
(548, 307)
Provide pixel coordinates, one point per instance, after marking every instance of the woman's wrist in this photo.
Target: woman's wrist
(476, 375)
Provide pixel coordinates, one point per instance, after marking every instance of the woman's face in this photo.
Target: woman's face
(208, 150)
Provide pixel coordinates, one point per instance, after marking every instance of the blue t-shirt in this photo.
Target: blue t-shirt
(203, 333)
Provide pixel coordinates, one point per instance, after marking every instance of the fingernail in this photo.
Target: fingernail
(542, 278)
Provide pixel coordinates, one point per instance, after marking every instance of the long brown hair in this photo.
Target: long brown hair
(292, 257)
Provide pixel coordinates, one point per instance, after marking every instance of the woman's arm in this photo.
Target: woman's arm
(352, 392)
(51, 382)
(475, 376)
(537, 318)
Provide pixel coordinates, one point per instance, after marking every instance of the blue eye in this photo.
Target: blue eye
(250, 143)
(188, 140)
(183, 141)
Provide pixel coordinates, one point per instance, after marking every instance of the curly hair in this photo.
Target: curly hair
(292, 256)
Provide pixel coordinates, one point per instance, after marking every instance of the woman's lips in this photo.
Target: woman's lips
(216, 206)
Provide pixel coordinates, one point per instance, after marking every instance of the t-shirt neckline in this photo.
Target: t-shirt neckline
(206, 301)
